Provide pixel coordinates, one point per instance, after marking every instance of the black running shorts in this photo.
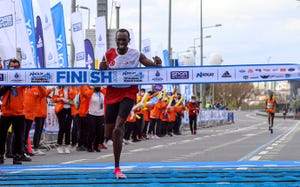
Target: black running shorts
(121, 109)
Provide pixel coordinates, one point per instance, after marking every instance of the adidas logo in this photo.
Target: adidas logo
(226, 74)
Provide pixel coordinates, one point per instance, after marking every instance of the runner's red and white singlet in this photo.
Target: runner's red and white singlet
(114, 60)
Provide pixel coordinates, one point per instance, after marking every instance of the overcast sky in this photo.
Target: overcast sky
(252, 31)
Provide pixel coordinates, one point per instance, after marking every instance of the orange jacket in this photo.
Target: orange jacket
(41, 106)
(60, 104)
(31, 99)
(157, 110)
(193, 109)
(13, 105)
(146, 112)
(83, 100)
(133, 118)
(172, 112)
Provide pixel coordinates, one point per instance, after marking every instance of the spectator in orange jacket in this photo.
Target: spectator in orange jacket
(95, 118)
(31, 98)
(172, 114)
(82, 120)
(40, 116)
(193, 113)
(146, 114)
(13, 113)
(130, 124)
(63, 97)
(156, 116)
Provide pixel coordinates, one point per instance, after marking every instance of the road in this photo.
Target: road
(248, 139)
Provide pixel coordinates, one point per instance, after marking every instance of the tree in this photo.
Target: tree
(233, 95)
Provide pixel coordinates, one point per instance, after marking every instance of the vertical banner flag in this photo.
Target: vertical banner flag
(22, 38)
(78, 39)
(51, 55)
(101, 45)
(7, 31)
(60, 35)
(165, 58)
(39, 43)
(146, 48)
(89, 54)
(29, 20)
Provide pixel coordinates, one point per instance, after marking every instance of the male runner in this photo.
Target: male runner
(270, 109)
(120, 99)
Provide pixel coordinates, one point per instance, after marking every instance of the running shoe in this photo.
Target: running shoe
(271, 130)
(102, 146)
(60, 149)
(118, 173)
(67, 149)
(37, 152)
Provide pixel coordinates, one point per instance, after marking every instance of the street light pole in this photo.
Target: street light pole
(169, 33)
(140, 26)
(117, 5)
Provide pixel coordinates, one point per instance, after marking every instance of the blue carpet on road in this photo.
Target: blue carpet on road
(249, 173)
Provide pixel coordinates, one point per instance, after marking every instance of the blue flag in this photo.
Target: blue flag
(89, 54)
(60, 35)
(29, 19)
(39, 43)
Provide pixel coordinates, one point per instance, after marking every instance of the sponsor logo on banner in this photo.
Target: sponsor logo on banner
(50, 56)
(226, 74)
(291, 69)
(245, 77)
(288, 75)
(40, 42)
(47, 23)
(202, 75)
(24, 56)
(157, 77)
(180, 75)
(100, 42)
(40, 77)
(132, 76)
(275, 69)
(80, 56)
(282, 69)
(258, 70)
(265, 76)
(6, 21)
(250, 71)
(267, 69)
(17, 77)
(2, 77)
(242, 71)
(77, 27)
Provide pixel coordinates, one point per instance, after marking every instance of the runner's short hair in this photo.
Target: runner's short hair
(123, 30)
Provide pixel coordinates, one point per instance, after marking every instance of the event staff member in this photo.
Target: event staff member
(193, 113)
(31, 99)
(40, 116)
(95, 119)
(63, 97)
(13, 113)
(120, 100)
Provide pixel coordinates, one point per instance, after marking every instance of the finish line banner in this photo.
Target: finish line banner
(153, 75)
